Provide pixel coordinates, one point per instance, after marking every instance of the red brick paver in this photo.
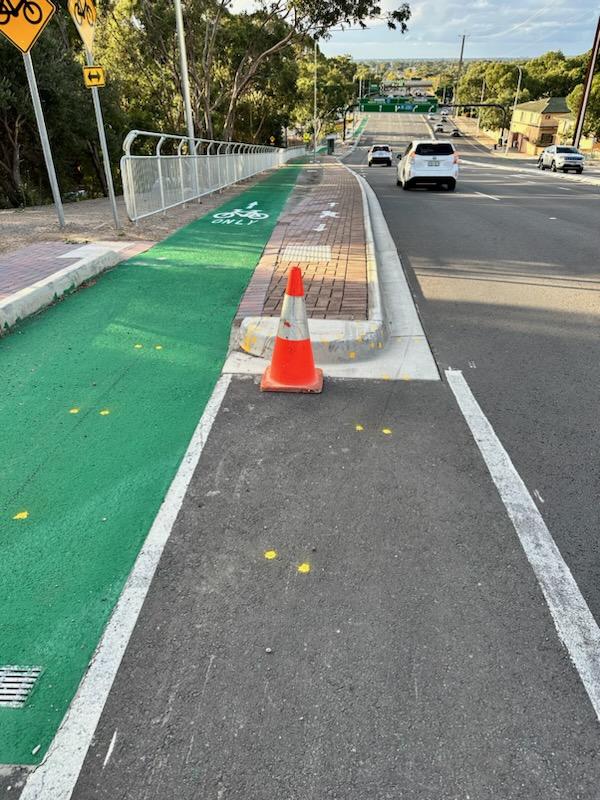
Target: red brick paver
(24, 267)
(322, 231)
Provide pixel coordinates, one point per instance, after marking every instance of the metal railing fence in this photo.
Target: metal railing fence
(173, 172)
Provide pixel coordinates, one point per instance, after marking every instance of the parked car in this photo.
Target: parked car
(563, 157)
(445, 112)
(431, 117)
(380, 154)
(426, 161)
(455, 132)
(439, 128)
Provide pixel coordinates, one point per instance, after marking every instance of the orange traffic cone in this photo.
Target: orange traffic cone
(292, 367)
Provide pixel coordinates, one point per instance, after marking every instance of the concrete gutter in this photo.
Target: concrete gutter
(92, 259)
(334, 341)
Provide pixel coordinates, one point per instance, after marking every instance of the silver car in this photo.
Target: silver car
(561, 157)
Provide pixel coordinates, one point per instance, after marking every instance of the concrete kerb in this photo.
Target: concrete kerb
(92, 259)
(333, 341)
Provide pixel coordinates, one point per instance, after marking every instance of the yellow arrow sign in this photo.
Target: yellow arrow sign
(84, 16)
(94, 77)
(22, 21)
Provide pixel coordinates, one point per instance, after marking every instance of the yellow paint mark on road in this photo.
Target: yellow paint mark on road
(386, 377)
(405, 377)
(74, 410)
(387, 431)
(351, 354)
(21, 515)
(105, 412)
(270, 554)
(359, 428)
(304, 568)
(138, 346)
(158, 347)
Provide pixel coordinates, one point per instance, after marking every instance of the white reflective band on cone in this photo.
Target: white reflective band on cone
(293, 324)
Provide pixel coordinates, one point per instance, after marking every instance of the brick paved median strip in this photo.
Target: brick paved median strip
(103, 392)
(323, 232)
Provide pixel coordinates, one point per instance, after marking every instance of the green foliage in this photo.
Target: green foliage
(68, 112)
(249, 76)
(549, 75)
(591, 124)
(336, 87)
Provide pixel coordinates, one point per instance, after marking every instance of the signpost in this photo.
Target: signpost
(22, 23)
(84, 16)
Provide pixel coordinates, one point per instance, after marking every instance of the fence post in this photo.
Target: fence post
(160, 175)
(181, 177)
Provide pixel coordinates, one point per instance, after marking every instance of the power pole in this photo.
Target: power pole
(587, 87)
(479, 110)
(460, 66)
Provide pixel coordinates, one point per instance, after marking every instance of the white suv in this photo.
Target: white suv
(561, 156)
(427, 161)
(380, 154)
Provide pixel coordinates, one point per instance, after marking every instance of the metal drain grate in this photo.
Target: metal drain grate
(16, 684)
(307, 252)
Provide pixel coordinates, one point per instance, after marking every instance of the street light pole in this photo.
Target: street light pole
(514, 107)
(315, 108)
(185, 81)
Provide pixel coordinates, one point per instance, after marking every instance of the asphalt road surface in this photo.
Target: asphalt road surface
(343, 609)
(416, 659)
(506, 276)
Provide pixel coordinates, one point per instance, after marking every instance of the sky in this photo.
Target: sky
(494, 28)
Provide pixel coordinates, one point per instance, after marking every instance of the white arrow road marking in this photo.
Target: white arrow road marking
(319, 228)
(332, 204)
(252, 205)
(329, 214)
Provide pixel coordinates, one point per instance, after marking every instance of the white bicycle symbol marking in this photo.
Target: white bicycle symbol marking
(240, 212)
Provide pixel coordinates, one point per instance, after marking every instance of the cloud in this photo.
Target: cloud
(495, 29)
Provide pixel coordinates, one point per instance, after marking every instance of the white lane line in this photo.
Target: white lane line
(564, 188)
(56, 777)
(111, 747)
(576, 627)
(538, 495)
(490, 196)
(592, 180)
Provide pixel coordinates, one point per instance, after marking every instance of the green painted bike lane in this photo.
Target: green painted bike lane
(100, 396)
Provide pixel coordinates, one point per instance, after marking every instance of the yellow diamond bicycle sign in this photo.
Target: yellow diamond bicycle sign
(22, 21)
(84, 16)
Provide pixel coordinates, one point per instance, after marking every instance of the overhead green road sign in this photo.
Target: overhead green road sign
(402, 107)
